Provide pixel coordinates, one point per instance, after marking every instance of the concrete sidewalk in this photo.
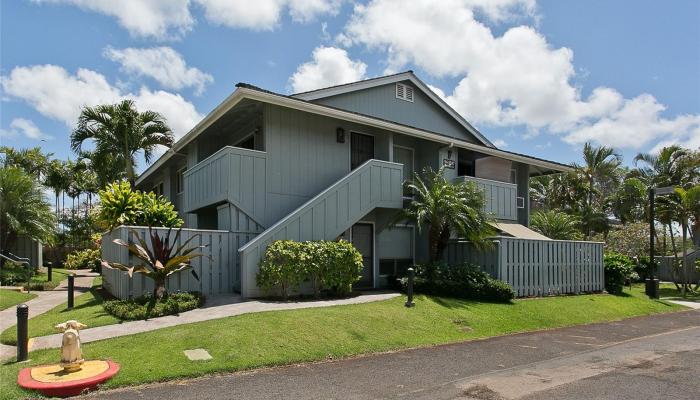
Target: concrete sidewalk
(636, 358)
(217, 307)
(44, 301)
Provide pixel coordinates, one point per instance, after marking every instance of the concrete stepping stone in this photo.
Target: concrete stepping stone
(198, 355)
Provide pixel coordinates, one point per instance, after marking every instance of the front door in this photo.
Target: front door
(361, 149)
(363, 240)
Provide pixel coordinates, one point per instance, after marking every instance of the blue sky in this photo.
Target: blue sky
(535, 77)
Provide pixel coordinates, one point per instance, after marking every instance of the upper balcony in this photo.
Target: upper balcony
(232, 174)
(501, 197)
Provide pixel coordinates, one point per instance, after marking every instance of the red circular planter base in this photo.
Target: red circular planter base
(64, 387)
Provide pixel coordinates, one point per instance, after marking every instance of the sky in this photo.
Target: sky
(535, 77)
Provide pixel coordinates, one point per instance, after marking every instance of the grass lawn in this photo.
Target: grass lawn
(87, 309)
(9, 298)
(668, 291)
(42, 278)
(284, 337)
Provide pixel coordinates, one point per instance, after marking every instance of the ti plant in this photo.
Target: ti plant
(159, 260)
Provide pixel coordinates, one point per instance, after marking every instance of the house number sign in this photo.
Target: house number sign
(447, 163)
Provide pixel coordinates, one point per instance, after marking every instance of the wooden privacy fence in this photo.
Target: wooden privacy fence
(665, 270)
(219, 273)
(537, 267)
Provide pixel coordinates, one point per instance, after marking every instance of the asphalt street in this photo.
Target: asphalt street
(655, 357)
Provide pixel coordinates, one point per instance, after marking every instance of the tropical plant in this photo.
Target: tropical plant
(599, 164)
(565, 192)
(628, 203)
(160, 258)
(23, 210)
(667, 168)
(631, 239)
(282, 266)
(83, 259)
(556, 225)
(33, 161)
(120, 132)
(120, 205)
(58, 179)
(446, 208)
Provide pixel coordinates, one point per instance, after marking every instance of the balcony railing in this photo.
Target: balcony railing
(500, 196)
(231, 174)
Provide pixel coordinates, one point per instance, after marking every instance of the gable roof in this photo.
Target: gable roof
(247, 91)
(389, 79)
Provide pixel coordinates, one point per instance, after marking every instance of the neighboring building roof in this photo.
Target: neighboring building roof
(247, 91)
(518, 231)
(389, 79)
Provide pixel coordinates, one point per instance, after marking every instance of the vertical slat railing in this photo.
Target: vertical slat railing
(537, 267)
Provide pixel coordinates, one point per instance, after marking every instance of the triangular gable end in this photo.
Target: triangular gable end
(401, 98)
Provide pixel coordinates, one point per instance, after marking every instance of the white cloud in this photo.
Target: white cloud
(26, 128)
(330, 66)
(516, 79)
(159, 19)
(163, 64)
(57, 94)
(265, 14)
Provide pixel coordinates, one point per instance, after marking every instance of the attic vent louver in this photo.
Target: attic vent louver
(404, 92)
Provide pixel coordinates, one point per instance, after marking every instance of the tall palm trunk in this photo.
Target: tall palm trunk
(675, 254)
(686, 275)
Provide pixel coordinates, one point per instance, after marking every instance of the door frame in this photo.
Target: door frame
(374, 249)
(374, 146)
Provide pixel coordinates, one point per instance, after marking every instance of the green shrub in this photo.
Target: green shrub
(463, 281)
(83, 259)
(149, 307)
(120, 205)
(333, 266)
(618, 267)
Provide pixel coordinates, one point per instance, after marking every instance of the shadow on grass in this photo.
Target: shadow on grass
(455, 303)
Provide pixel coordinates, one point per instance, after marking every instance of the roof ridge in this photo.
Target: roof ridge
(355, 82)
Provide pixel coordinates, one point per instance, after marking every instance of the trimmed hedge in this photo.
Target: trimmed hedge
(618, 267)
(326, 265)
(464, 281)
(149, 307)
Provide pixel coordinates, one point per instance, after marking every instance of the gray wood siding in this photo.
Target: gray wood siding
(231, 174)
(219, 273)
(537, 267)
(381, 102)
(303, 158)
(499, 196)
(324, 217)
(27, 247)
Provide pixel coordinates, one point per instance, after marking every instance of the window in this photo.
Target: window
(520, 202)
(361, 149)
(404, 155)
(465, 167)
(404, 92)
(396, 267)
(180, 180)
(158, 189)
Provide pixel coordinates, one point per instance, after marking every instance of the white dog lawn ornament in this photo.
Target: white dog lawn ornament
(71, 355)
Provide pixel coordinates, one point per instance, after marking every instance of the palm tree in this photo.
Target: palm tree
(120, 132)
(668, 168)
(23, 210)
(33, 160)
(556, 225)
(628, 203)
(600, 164)
(57, 178)
(446, 208)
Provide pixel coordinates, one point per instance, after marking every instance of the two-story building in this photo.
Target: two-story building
(329, 164)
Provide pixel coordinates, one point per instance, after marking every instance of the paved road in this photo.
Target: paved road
(641, 358)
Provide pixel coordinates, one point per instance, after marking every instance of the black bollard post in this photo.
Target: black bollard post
(71, 283)
(22, 332)
(49, 266)
(409, 289)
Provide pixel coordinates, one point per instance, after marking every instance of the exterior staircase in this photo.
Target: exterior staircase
(374, 184)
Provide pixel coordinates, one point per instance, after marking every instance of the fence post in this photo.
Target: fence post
(22, 332)
(409, 288)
